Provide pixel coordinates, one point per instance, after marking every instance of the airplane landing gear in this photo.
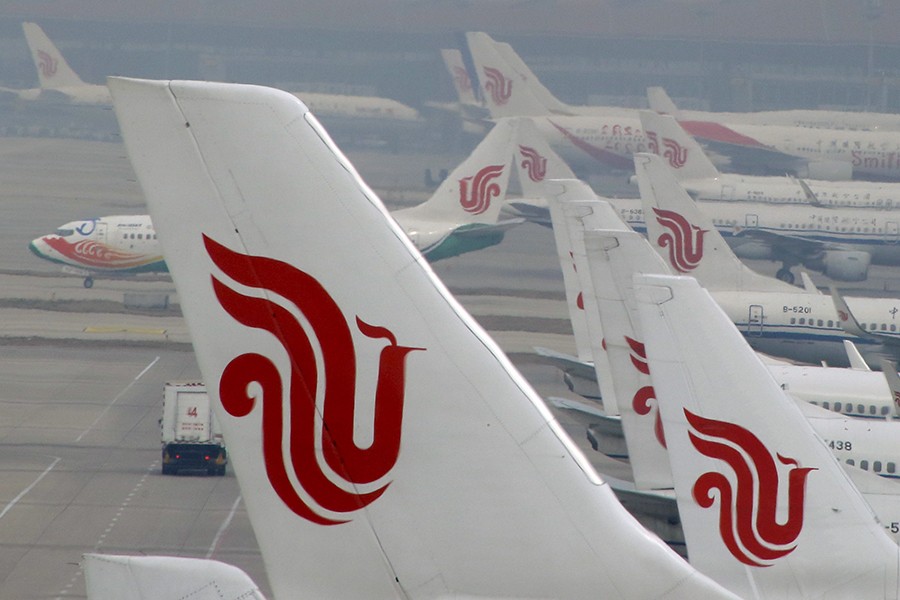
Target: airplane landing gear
(785, 275)
(88, 282)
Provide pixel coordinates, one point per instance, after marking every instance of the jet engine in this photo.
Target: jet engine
(847, 265)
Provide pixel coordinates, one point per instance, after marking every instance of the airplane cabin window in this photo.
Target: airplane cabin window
(873, 410)
(851, 462)
(864, 465)
(793, 320)
(876, 466)
(830, 323)
(825, 405)
(819, 322)
(891, 467)
(885, 410)
(861, 409)
(837, 406)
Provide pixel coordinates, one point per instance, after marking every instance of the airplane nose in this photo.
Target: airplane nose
(38, 247)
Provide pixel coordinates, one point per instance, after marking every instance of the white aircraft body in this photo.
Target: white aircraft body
(446, 477)
(462, 215)
(472, 112)
(113, 245)
(704, 182)
(775, 317)
(56, 78)
(608, 136)
(607, 261)
(767, 510)
(359, 107)
(660, 102)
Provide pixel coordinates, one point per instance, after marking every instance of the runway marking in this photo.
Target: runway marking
(79, 573)
(15, 500)
(116, 399)
(223, 527)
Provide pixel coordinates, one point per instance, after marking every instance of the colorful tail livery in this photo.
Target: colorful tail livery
(682, 152)
(486, 490)
(686, 238)
(55, 74)
(766, 509)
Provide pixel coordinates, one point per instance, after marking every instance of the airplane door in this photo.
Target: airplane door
(755, 320)
(751, 221)
(727, 192)
(892, 230)
(101, 231)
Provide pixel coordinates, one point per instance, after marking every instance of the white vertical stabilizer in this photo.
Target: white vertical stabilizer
(687, 239)
(419, 463)
(504, 91)
(683, 154)
(53, 70)
(766, 509)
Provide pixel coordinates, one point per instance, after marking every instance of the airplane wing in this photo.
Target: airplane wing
(567, 363)
(786, 246)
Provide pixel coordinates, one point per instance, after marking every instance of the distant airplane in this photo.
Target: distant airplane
(660, 102)
(420, 463)
(607, 261)
(776, 318)
(462, 215)
(818, 224)
(57, 79)
(471, 111)
(766, 509)
(113, 245)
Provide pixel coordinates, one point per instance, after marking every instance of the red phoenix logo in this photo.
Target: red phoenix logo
(355, 465)
(461, 79)
(533, 163)
(652, 142)
(684, 241)
(477, 191)
(497, 85)
(675, 153)
(747, 515)
(641, 400)
(46, 63)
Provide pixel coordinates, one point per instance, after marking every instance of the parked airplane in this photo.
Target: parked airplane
(607, 261)
(472, 113)
(447, 476)
(856, 392)
(660, 102)
(57, 79)
(703, 181)
(766, 509)
(462, 215)
(775, 317)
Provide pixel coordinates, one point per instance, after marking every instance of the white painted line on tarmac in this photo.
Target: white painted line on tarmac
(116, 399)
(21, 495)
(223, 527)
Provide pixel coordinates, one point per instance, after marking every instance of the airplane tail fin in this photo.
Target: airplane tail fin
(474, 192)
(462, 81)
(529, 79)
(504, 91)
(766, 509)
(119, 577)
(686, 238)
(660, 102)
(536, 161)
(53, 70)
(682, 152)
(574, 206)
(610, 260)
(418, 461)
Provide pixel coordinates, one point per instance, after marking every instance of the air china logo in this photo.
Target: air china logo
(477, 191)
(843, 315)
(684, 241)
(533, 163)
(641, 400)
(296, 403)
(46, 63)
(461, 79)
(748, 520)
(497, 85)
(675, 153)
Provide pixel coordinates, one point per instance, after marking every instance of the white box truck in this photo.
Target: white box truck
(191, 437)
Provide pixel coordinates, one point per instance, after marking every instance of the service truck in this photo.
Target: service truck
(191, 437)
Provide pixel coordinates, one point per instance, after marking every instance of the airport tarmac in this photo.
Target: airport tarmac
(83, 375)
